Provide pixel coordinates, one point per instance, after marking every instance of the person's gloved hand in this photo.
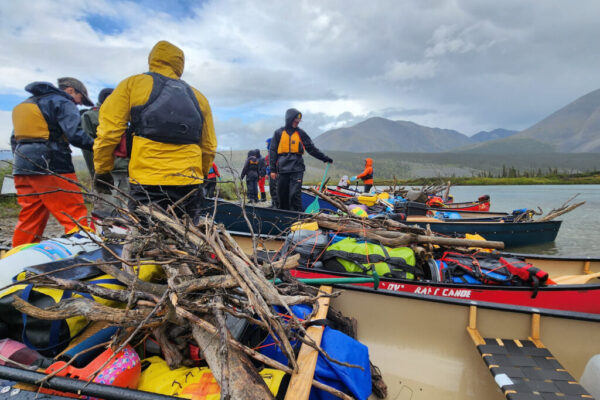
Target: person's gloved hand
(328, 160)
(352, 178)
(218, 178)
(103, 183)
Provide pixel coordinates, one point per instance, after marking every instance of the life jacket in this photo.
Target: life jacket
(253, 164)
(470, 269)
(171, 114)
(435, 201)
(31, 125)
(525, 271)
(487, 268)
(211, 173)
(290, 143)
(352, 255)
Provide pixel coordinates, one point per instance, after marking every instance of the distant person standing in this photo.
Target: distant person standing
(210, 183)
(89, 124)
(262, 175)
(250, 172)
(286, 160)
(272, 181)
(44, 126)
(366, 176)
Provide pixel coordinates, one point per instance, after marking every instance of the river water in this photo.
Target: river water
(579, 234)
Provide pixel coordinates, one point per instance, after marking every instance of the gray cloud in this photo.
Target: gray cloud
(465, 65)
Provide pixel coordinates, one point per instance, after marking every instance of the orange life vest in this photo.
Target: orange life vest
(290, 143)
(29, 122)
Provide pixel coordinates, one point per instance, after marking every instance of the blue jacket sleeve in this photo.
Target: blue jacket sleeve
(70, 122)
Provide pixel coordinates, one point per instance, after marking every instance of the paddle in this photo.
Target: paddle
(314, 206)
(575, 279)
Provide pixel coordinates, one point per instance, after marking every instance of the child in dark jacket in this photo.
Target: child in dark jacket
(251, 172)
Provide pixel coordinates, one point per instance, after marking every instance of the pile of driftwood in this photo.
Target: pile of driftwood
(420, 194)
(207, 278)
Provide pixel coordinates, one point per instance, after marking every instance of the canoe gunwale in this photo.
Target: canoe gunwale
(482, 304)
(546, 290)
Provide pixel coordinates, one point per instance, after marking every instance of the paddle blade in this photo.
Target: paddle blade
(575, 279)
(313, 207)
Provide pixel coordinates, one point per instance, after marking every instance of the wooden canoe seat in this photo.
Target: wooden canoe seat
(526, 369)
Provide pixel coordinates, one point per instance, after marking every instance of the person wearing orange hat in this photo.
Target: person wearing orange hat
(366, 176)
(44, 126)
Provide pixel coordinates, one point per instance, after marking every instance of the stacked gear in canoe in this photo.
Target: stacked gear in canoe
(46, 336)
(310, 244)
(337, 345)
(360, 256)
(50, 337)
(489, 268)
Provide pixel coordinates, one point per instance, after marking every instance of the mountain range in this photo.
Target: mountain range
(575, 128)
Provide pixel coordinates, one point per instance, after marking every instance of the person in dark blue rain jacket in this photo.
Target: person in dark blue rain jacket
(44, 127)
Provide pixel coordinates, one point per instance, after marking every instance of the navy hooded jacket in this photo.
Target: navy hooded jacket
(63, 119)
(291, 162)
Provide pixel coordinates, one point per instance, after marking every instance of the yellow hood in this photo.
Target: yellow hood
(166, 59)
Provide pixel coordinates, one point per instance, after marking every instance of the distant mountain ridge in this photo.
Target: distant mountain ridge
(379, 134)
(484, 136)
(575, 128)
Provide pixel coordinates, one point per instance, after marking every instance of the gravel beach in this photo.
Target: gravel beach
(7, 227)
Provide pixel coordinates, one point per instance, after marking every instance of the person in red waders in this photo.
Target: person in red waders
(210, 183)
(262, 175)
(44, 126)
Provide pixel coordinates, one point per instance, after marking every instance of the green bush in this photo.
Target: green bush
(227, 191)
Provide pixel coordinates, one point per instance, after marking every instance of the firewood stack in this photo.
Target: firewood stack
(207, 277)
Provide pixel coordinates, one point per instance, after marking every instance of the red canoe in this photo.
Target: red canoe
(559, 300)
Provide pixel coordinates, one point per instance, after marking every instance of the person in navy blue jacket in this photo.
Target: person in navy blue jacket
(44, 125)
(286, 162)
(251, 172)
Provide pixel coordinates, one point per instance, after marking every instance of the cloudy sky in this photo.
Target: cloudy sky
(467, 65)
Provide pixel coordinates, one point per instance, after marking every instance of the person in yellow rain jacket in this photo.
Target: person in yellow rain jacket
(171, 131)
